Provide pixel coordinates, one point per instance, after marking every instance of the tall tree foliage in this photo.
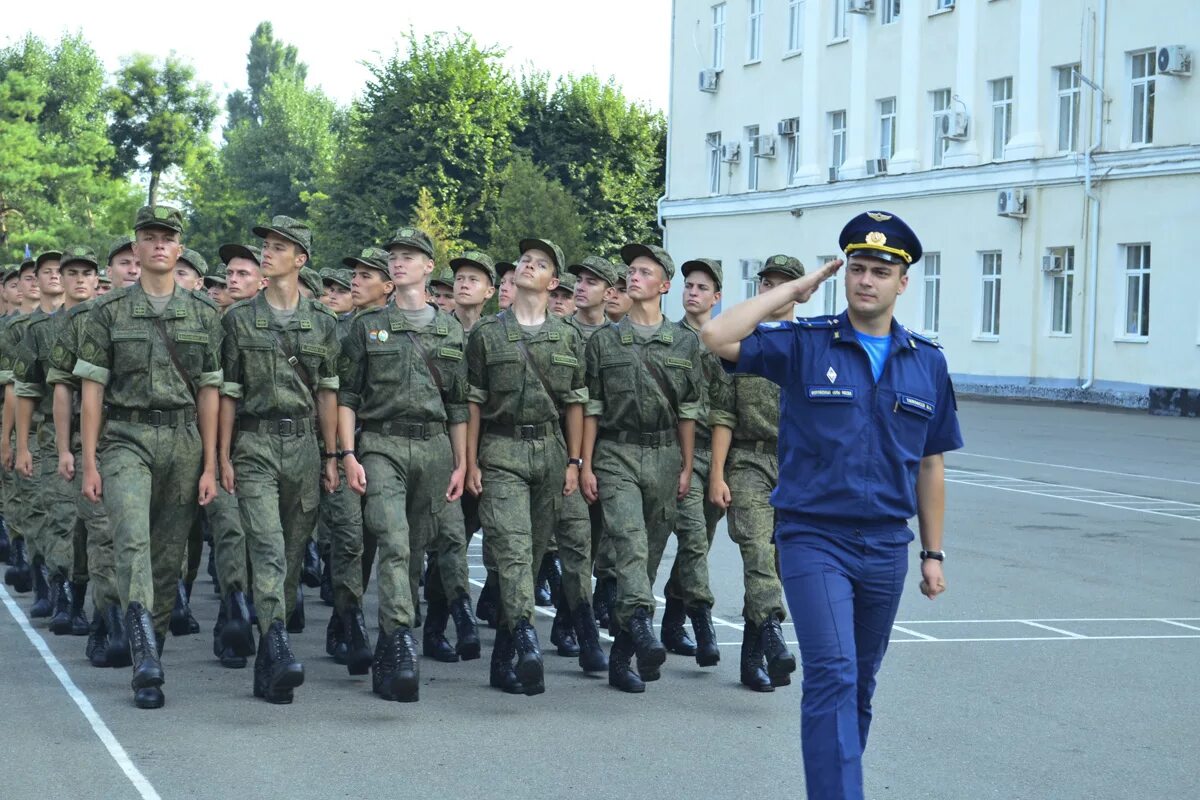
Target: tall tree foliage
(268, 57)
(531, 204)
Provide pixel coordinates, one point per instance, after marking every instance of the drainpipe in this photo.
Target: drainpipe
(667, 157)
(1094, 203)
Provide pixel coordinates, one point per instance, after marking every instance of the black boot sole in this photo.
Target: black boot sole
(401, 688)
(149, 697)
(61, 626)
(781, 670)
(708, 659)
(758, 687)
(358, 663)
(238, 636)
(179, 625)
(231, 660)
(531, 674)
(469, 650)
(627, 684)
(439, 651)
(285, 681)
(652, 657)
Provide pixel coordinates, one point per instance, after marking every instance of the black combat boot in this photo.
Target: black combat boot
(754, 672)
(226, 655)
(707, 652)
(96, 648)
(357, 641)
(276, 670)
(503, 676)
(394, 674)
(19, 575)
(182, 622)
(621, 673)
(604, 603)
(529, 659)
(310, 571)
(335, 638)
(562, 631)
(650, 652)
(79, 621)
(295, 621)
(465, 629)
(591, 654)
(436, 645)
(327, 577)
(780, 661)
(147, 669)
(42, 606)
(117, 651)
(64, 598)
(489, 597)
(674, 636)
(541, 586)
(552, 567)
(4, 541)
(237, 633)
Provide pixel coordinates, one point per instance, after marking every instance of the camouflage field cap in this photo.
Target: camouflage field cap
(622, 272)
(476, 259)
(228, 252)
(341, 277)
(290, 229)
(80, 254)
(549, 248)
(503, 268)
(566, 283)
(195, 261)
(28, 263)
(219, 276)
(10, 272)
(46, 255)
(119, 245)
(412, 238)
(652, 251)
(443, 277)
(709, 265)
(158, 216)
(312, 279)
(104, 277)
(372, 258)
(602, 268)
(784, 265)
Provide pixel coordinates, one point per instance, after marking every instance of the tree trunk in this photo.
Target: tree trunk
(153, 198)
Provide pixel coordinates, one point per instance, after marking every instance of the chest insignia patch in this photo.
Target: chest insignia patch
(831, 374)
(383, 336)
(373, 336)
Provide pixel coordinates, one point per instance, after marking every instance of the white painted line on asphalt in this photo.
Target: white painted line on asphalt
(1054, 630)
(139, 781)
(548, 612)
(1042, 619)
(716, 620)
(1016, 639)
(925, 636)
(1077, 469)
(1180, 624)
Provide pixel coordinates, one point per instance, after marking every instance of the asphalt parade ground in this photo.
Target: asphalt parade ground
(1063, 662)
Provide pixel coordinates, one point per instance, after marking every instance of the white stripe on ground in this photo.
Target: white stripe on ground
(1017, 639)
(1072, 634)
(914, 633)
(1076, 469)
(1180, 624)
(549, 612)
(139, 781)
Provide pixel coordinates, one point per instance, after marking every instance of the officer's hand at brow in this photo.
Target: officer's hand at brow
(718, 493)
(588, 485)
(474, 480)
(804, 287)
(933, 582)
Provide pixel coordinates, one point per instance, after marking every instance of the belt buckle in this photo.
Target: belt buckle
(647, 439)
(287, 427)
(155, 417)
(527, 432)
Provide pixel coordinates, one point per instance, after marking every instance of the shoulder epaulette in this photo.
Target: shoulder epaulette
(238, 304)
(442, 320)
(491, 319)
(113, 296)
(366, 312)
(818, 323)
(208, 301)
(319, 306)
(81, 308)
(920, 337)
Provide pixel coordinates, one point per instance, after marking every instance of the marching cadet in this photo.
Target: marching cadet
(216, 284)
(404, 378)
(123, 266)
(150, 353)
(337, 296)
(562, 299)
(506, 272)
(645, 394)
(744, 414)
(842, 527)
(280, 367)
(311, 286)
(10, 290)
(526, 374)
(618, 301)
(103, 282)
(441, 286)
(190, 270)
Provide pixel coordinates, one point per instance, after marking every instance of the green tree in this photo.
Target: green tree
(443, 226)
(160, 117)
(268, 57)
(532, 204)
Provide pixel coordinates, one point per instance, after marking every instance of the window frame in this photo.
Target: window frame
(1002, 116)
(717, 36)
(1142, 275)
(792, 154)
(940, 143)
(751, 131)
(829, 292)
(989, 312)
(1071, 97)
(841, 21)
(1062, 306)
(837, 139)
(795, 27)
(1143, 135)
(754, 31)
(931, 280)
(887, 127)
(713, 141)
(889, 12)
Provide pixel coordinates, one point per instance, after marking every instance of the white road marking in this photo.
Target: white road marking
(1077, 469)
(1180, 624)
(1071, 634)
(1018, 639)
(925, 636)
(548, 612)
(139, 781)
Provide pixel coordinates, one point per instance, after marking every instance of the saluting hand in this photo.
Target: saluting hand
(804, 287)
(933, 582)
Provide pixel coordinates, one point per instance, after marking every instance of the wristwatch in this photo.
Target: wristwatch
(575, 462)
(936, 555)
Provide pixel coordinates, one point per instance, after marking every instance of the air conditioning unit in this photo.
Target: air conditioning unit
(709, 78)
(876, 166)
(954, 126)
(861, 6)
(833, 174)
(789, 126)
(1174, 60)
(1052, 264)
(1011, 203)
(731, 152)
(763, 146)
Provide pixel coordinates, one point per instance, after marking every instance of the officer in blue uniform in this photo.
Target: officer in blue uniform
(867, 410)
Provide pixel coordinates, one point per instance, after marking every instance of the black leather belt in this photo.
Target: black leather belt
(525, 433)
(154, 416)
(283, 426)
(404, 428)
(652, 439)
(768, 446)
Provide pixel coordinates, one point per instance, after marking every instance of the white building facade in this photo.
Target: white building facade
(1047, 152)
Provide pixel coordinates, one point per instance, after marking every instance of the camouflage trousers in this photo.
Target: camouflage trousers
(91, 537)
(752, 477)
(195, 549)
(278, 489)
(445, 544)
(637, 494)
(228, 542)
(342, 523)
(406, 478)
(575, 550)
(151, 476)
(695, 523)
(56, 539)
(521, 501)
(28, 511)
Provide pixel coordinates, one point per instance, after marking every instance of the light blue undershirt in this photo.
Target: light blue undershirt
(878, 349)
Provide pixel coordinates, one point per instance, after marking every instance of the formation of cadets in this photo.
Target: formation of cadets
(316, 428)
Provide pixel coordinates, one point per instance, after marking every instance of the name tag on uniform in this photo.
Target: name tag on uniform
(915, 404)
(831, 394)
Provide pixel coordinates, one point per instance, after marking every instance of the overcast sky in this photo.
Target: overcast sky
(627, 39)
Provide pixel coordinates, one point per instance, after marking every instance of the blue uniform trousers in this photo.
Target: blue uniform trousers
(843, 588)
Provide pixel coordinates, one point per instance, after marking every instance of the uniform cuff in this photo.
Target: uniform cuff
(576, 397)
(231, 390)
(90, 372)
(31, 390)
(54, 375)
(457, 414)
(722, 418)
(6, 376)
(214, 379)
(594, 408)
(477, 395)
(331, 384)
(691, 411)
(349, 400)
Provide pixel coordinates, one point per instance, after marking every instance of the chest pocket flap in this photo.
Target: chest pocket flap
(915, 405)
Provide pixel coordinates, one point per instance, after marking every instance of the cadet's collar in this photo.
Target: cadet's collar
(549, 330)
(399, 322)
(263, 315)
(664, 333)
(176, 307)
(844, 333)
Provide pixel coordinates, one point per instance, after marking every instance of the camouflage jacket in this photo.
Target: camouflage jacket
(746, 404)
(122, 349)
(32, 363)
(12, 328)
(712, 373)
(257, 372)
(506, 384)
(385, 377)
(586, 331)
(624, 394)
(65, 352)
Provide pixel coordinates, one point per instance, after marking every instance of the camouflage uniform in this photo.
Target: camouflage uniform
(28, 512)
(276, 452)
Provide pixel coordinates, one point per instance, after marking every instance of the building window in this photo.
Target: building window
(1002, 108)
(932, 298)
(1137, 290)
(1062, 289)
(1068, 108)
(989, 318)
(795, 42)
(791, 147)
(752, 161)
(750, 269)
(887, 127)
(942, 5)
(837, 140)
(718, 36)
(891, 11)
(941, 109)
(754, 31)
(713, 142)
(829, 289)
(1143, 97)
(840, 26)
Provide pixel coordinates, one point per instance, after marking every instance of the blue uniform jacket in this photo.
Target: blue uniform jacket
(850, 448)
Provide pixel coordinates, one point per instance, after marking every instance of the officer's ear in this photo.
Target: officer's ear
(903, 279)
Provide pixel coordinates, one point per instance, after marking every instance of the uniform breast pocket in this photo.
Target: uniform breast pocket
(561, 371)
(617, 375)
(505, 372)
(192, 345)
(311, 355)
(131, 350)
(386, 365)
(913, 414)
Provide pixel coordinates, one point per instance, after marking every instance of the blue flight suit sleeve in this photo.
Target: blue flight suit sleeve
(770, 351)
(944, 434)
